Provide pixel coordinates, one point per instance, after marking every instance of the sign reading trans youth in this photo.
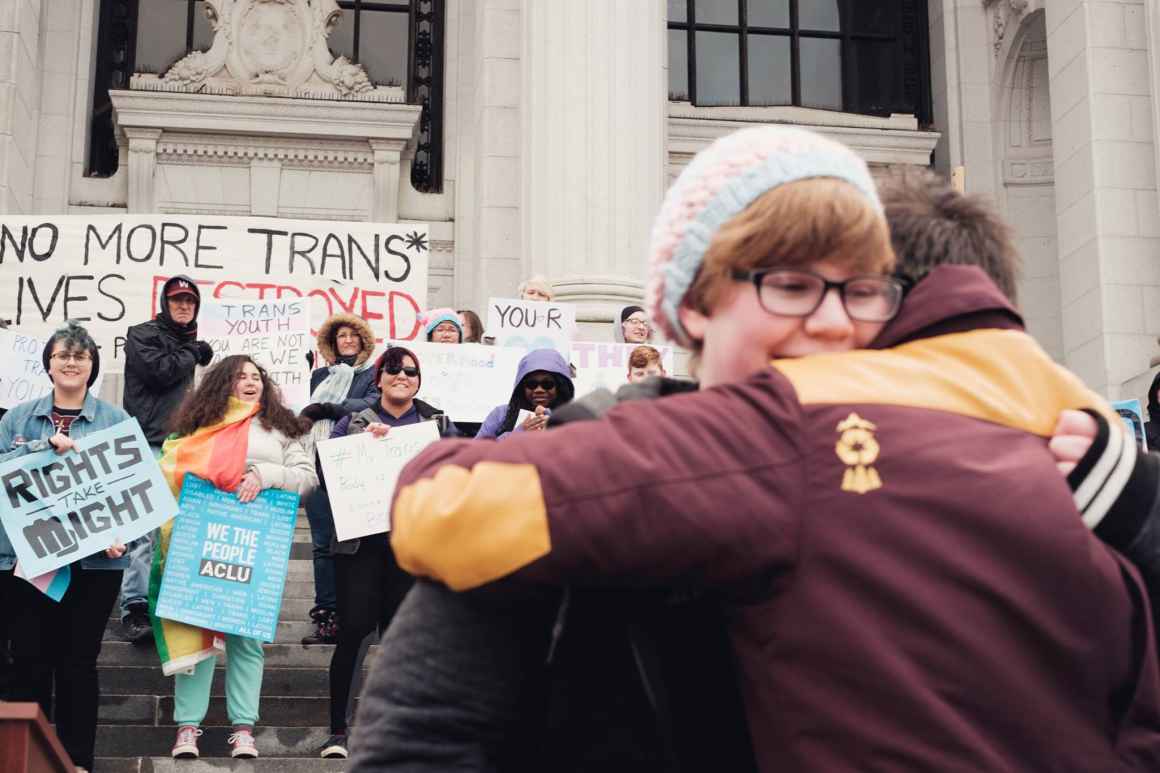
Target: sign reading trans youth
(227, 561)
(59, 508)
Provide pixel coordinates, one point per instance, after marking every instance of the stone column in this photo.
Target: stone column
(385, 188)
(593, 121)
(20, 74)
(1102, 105)
(142, 169)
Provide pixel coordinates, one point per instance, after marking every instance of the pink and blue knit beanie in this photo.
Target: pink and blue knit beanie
(718, 184)
(433, 317)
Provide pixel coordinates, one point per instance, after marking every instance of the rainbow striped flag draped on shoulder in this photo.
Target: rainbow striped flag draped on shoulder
(216, 453)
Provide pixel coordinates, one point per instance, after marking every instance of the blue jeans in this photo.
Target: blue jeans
(321, 533)
(135, 584)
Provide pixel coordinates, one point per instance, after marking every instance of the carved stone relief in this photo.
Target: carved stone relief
(1005, 16)
(1028, 153)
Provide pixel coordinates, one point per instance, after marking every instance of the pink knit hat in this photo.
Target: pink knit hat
(718, 184)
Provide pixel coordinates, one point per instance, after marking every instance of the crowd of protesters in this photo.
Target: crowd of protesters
(848, 542)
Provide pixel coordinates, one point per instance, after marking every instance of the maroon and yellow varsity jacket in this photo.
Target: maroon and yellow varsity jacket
(929, 595)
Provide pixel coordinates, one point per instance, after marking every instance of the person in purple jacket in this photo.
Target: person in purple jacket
(543, 383)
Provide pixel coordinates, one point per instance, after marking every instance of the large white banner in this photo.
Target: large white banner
(528, 325)
(605, 365)
(106, 271)
(361, 472)
(465, 381)
(22, 376)
(275, 333)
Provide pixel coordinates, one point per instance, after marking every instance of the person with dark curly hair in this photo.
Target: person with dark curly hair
(249, 441)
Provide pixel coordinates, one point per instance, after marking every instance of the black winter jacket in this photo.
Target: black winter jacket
(159, 362)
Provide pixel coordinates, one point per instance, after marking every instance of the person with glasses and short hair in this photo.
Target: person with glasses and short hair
(634, 326)
(543, 383)
(369, 584)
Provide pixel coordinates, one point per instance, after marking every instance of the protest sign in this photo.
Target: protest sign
(1133, 415)
(605, 365)
(22, 377)
(275, 333)
(528, 325)
(227, 561)
(106, 271)
(465, 381)
(58, 508)
(361, 471)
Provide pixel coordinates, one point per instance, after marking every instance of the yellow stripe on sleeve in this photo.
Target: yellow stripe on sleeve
(470, 527)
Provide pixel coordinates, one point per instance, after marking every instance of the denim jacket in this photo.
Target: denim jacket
(26, 429)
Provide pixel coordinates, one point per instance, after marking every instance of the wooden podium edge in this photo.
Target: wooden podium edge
(30, 712)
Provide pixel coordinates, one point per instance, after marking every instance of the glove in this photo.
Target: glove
(314, 411)
(333, 411)
(202, 352)
(310, 359)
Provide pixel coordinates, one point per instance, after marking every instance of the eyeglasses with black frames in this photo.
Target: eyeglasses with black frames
(77, 357)
(797, 293)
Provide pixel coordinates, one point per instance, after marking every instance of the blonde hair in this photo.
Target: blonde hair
(537, 282)
(795, 226)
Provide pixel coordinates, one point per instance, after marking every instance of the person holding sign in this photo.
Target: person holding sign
(443, 326)
(536, 288)
(234, 432)
(543, 382)
(57, 640)
(370, 584)
(346, 384)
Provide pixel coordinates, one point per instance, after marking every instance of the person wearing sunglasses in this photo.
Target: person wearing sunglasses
(369, 584)
(543, 383)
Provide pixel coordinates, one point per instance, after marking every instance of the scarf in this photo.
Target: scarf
(216, 453)
(333, 389)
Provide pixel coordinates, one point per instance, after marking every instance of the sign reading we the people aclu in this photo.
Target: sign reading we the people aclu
(58, 508)
(361, 471)
(227, 561)
(528, 325)
(106, 271)
(275, 333)
(605, 365)
(465, 381)
(22, 377)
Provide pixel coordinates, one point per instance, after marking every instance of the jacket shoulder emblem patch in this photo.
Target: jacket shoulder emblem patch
(858, 449)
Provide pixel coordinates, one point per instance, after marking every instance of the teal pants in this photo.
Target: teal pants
(244, 662)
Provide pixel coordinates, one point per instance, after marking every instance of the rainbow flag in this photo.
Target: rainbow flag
(216, 453)
(52, 584)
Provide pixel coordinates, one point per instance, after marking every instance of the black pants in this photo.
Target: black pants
(370, 588)
(55, 645)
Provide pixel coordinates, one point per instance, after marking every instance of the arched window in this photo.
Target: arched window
(399, 44)
(859, 56)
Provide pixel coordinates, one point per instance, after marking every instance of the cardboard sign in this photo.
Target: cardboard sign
(23, 378)
(227, 561)
(58, 508)
(361, 471)
(1133, 415)
(528, 325)
(275, 333)
(465, 381)
(106, 271)
(605, 365)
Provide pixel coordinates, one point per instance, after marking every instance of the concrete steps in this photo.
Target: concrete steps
(216, 765)
(148, 741)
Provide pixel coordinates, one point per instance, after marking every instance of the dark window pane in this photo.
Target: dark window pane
(718, 73)
(875, 85)
(770, 73)
(716, 12)
(876, 17)
(678, 10)
(202, 32)
(160, 34)
(383, 46)
(819, 15)
(341, 40)
(768, 13)
(678, 65)
(821, 73)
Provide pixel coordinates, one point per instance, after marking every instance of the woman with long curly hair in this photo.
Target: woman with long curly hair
(235, 432)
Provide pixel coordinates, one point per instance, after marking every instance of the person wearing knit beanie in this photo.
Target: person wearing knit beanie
(442, 326)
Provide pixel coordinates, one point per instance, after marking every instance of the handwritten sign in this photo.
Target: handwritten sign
(56, 509)
(106, 271)
(465, 381)
(227, 561)
(361, 471)
(23, 378)
(529, 325)
(605, 365)
(275, 333)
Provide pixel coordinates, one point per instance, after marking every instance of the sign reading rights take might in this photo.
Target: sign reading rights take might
(106, 271)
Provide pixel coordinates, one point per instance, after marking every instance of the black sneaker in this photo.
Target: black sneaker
(136, 624)
(325, 627)
(334, 748)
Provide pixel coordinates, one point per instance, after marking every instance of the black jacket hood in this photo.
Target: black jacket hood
(163, 305)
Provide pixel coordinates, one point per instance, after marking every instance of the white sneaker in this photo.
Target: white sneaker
(242, 744)
(185, 747)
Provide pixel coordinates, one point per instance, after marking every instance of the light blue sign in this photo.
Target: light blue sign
(227, 561)
(1133, 415)
(59, 508)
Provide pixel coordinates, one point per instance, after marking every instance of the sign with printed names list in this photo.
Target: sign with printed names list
(107, 271)
(528, 325)
(361, 471)
(57, 508)
(602, 365)
(23, 378)
(275, 333)
(227, 561)
(465, 381)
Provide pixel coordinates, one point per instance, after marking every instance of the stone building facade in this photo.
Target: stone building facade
(537, 136)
